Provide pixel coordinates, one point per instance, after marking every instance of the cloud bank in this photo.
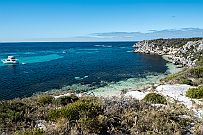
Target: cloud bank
(152, 34)
(137, 36)
(127, 36)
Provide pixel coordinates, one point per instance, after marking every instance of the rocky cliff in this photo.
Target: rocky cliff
(184, 52)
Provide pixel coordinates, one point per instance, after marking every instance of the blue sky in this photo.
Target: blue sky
(72, 20)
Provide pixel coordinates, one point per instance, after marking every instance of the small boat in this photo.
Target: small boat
(10, 60)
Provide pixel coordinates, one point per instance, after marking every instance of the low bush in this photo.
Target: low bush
(35, 131)
(88, 107)
(44, 99)
(15, 114)
(196, 72)
(159, 122)
(139, 118)
(185, 76)
(200, 61)
(91, 125)
(64, 100)
(195, 92)
(171, 77)
(187, 81)
(155, 98)
(91, 116)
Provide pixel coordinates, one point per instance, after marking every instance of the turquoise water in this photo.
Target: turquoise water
(35, 59)
(99, 66)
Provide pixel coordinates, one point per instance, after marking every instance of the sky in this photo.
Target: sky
(99, 20)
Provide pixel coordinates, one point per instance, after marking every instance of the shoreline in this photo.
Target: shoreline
(117, 88)
(131, 84)
(134, 84)
(172, 67)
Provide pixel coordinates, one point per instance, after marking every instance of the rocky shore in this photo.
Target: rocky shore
(180, 52)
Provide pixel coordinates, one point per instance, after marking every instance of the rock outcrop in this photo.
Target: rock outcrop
(178, 52)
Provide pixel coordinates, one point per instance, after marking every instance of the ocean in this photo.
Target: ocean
(76, 66)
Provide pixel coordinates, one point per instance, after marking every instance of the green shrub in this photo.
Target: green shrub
(161, 122)
(66, 99)
(90, 125)
(172, 76)
(186, 81)
(155, 98)
(13, 112)
(35, 131)
(196, 72)
(44, 99)
(88, 107)
(98, 116)
(200, 61)
(184, 76)
(195, 92)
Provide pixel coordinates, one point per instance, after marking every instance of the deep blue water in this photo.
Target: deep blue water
(55, 65)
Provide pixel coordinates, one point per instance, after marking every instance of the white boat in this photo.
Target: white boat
(10, 60)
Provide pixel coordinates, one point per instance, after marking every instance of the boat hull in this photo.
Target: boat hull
(9, 62)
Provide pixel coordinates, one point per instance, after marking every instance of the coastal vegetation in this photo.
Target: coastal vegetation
(93, 115)
(84, 107)
(200, 61)
(155, 98)
(64, 100)
(191, 76)
(44, 99)
(174, 42)
(195, 92)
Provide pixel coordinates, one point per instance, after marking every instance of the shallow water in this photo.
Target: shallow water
(36, 59)
(55, 65)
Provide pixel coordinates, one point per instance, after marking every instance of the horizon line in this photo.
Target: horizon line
(91, 41)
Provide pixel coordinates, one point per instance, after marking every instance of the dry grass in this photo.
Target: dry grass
(116, 116)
